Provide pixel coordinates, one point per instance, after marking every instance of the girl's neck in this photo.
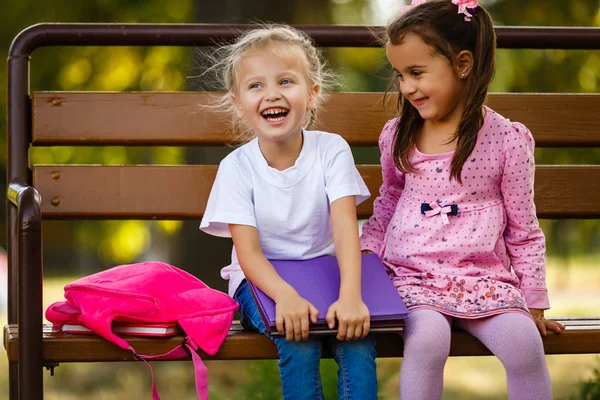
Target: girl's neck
(282, 155)
(449, 123)
(437, 137)
(435, 140)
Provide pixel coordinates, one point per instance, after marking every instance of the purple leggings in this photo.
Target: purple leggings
(512, 337)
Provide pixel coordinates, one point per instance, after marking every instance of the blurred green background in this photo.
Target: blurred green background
(76, 248)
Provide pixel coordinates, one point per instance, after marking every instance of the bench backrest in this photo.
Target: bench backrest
(181, 192)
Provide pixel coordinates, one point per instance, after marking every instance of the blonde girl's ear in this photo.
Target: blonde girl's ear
(464, 64)
(313, 96)
(238, 107)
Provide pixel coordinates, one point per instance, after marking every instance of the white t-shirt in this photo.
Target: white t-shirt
(290, 209)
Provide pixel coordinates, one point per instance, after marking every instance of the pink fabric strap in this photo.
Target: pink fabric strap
(443, 211)
(187, 348)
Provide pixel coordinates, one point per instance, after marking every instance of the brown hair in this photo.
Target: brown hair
(439, 25)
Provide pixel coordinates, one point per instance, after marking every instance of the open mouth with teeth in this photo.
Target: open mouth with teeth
(421, 101)
(275, 114)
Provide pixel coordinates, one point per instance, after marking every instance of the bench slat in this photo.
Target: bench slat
(102, 118)
(243, 345)
(181, 192)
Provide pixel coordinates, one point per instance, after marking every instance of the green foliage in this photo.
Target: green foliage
(264, 384)
(329, 379)
(103, 69)
(262, 380)
(590, 389)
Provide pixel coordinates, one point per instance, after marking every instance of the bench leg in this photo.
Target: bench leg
(13, 381)
(35, 391)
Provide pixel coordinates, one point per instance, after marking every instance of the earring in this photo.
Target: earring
(463, 75)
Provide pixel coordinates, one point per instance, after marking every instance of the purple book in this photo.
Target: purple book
(318, 281)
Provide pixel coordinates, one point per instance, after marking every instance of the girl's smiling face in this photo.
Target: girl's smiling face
(273, 94)
(427, 80)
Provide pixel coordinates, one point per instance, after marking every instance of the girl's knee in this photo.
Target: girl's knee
(429, 349)
(526, 352)
(303, 352)
(523, 347)
(362, 350)
(429, 336)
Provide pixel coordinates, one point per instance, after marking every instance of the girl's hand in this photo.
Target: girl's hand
(543, 324)
(291, 315)
(353, 318)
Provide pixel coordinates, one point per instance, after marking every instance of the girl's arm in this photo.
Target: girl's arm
(384, 206)
(292, 311)
(351, 312)
(524, 239)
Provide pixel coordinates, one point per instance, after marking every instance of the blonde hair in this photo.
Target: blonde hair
(226, 59)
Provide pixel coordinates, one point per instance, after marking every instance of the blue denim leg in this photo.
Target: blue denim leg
(357, 377)
(298, 361)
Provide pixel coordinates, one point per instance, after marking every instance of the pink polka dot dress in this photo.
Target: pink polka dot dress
(470, 250)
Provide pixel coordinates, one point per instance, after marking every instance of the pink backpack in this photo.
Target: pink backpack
(152, 292)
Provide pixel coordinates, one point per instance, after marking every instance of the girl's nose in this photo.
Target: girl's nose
(273, 94)
(407, 87)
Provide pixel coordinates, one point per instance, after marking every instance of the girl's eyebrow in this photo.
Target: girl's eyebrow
(251, 78)
(287, 73)
(258, 77)
(408, 68)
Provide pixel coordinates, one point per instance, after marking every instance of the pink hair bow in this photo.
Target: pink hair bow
(442, 211)
(414, 3)
(466, 7)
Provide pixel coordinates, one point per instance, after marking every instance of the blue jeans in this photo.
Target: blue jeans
(299, 361)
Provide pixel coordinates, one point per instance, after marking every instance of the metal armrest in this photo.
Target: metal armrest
(29, 286)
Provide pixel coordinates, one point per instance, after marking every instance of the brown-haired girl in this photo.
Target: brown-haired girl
(455, 220)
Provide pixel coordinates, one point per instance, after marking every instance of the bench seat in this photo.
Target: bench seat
(582, 335)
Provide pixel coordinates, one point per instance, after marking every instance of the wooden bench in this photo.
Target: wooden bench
(41, 192)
